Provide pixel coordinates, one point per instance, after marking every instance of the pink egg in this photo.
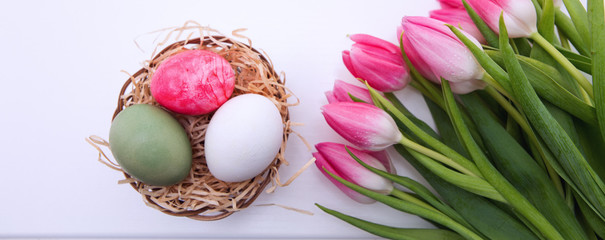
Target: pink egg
(193, 82)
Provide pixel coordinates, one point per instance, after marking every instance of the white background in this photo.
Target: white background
(60, 66)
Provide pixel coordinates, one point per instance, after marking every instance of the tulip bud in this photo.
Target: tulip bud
(365, 125)
(335, 158)
(519, 15)
(376, 61)
(341, 91)
(437, 53)
(459, 18)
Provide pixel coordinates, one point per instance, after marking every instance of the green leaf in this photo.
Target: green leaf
(547, 83)
(579, 61)
(546, 24)
(392, 232)
(566, 26)
(592, 219)
(597, 20)
(521, 170)
(580, 20)
(568, 156)
(503, 186)
(593, 146)
(484, 215)
(523, 46)
(564, 62)
(404, 206)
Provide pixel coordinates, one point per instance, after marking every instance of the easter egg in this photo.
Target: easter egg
(243, 138)
(193, 82)
(150, 145)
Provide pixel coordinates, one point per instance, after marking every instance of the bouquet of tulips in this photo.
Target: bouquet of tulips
(517, 92)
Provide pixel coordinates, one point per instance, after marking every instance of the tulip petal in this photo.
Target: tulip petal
(381, 74)
(324, 166)
(437, 53)
(384, 158)
(330, 96)
(368, 40)
(519, 15)
(522, 14)
(376, 61)
(346, 59)
(342, 162)
(456, 62)
(460, 19)
(364, 125)
(451, 4)
(342, 90)
(467, 86)
(421, 66)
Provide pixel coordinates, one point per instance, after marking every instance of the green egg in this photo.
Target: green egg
(150, 145)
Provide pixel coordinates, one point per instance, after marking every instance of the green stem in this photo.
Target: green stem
(437, 156)
(568, 66)
(494, 84)
(410, 198)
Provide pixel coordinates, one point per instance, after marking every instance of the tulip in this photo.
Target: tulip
(519, 15)
(459, 18)
(335, 159)
(378, 62)
(437, 53)
(341, 91)
(364, 125)
(451, 4)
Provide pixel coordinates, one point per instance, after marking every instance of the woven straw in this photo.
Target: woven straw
(201, 196)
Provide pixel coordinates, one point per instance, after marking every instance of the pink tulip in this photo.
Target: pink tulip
(437, 53)
(341, 91)
(519, 15)
(459, 18)
(365, 125)
(376, 61)
(449, 4)
(335, 158)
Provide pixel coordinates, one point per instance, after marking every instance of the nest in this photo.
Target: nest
(201, 196)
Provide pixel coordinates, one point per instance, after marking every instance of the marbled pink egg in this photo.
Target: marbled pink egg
(193, 82)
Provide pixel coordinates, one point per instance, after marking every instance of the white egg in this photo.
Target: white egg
(243, 137)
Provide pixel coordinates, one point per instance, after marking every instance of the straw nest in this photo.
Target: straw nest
(201, 196)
